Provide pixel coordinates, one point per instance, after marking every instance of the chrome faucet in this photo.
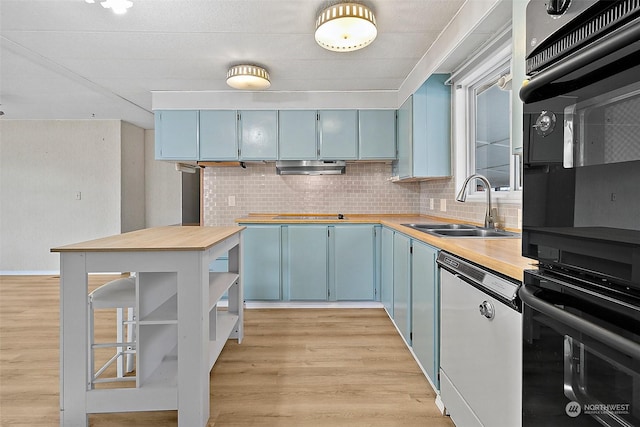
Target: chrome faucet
(489, 217)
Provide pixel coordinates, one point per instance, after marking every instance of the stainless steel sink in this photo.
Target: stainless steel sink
(422, 227)
(461, 231)
(478, 232)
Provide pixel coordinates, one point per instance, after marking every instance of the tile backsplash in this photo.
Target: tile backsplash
(234, 192)
(364, 188)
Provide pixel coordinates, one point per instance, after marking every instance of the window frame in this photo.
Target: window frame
(478, 71)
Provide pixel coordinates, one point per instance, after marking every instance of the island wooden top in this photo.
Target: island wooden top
(170, 238)
(499, 254)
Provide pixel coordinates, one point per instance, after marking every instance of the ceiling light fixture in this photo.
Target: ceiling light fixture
(248, 77)
(346, 27)
(118, 6)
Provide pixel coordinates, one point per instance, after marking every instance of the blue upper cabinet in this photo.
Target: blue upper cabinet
(338, 134)
(405, 137)
(377, 134)
(218, 135)
(227, 135)
(297, 135)
(424, 131)
(258, 135)
(176, 135)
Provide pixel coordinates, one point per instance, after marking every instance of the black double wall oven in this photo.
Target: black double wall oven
(581, 214)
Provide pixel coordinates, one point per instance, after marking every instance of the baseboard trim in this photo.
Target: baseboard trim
(312, 304)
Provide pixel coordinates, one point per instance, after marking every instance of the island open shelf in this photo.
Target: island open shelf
(180, 328)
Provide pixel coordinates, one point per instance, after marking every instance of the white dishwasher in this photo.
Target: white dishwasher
(480, 345)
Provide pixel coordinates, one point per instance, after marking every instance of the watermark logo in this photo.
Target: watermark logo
(607, 408)
(573, 409)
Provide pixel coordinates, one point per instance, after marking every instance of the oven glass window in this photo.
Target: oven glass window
(603, 130)
(571, 379)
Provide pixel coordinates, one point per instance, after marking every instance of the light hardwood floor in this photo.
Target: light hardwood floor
(311, 367)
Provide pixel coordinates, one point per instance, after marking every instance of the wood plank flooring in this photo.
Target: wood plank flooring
(311, 367)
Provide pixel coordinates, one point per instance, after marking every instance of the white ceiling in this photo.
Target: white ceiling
(66, 59)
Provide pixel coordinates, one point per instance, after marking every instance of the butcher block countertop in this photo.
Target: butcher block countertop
(169, 238)
(499, 254)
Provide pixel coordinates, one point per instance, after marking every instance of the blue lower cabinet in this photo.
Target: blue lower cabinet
(402, 284)
(386, 270)
(353, 267)
(262, 261)
(312, 262)
(425, 315)
(307, 262)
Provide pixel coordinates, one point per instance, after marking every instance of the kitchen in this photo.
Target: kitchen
(425, 204)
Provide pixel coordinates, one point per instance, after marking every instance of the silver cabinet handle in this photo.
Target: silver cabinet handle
(487, 310)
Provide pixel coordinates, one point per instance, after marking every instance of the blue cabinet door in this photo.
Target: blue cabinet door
(425, 314)
(377, 134)
(338, 134)
(402, 284)
(424, 131)
(261, 263)
(405, 139)
(258, 135)
(307, 266)
(218, 135)
(386, 270)
(432, 128)
(176, 135)
(353, 266)
(297, 135)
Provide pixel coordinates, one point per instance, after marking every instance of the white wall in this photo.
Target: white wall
(132, 183)
(163, 188)
(43, 165)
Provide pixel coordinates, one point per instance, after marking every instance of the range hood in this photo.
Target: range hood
(310, 167)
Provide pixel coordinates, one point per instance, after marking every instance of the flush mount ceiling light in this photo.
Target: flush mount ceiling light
(346, 27)
(118, 6)
(248, 77)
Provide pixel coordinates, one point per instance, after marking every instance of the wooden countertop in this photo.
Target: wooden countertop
(499, 254)
(170, 238)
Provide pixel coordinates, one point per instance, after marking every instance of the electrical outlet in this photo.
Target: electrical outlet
(431, 204)
(443, 205)
(232, 200)
(78, 195)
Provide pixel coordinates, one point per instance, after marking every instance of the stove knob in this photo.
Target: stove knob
(557, 7)
(486, 309)
(545, 123)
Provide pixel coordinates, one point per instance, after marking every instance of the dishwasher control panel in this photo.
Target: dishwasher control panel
(481, 277)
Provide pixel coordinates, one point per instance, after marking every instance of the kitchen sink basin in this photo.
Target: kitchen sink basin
(440, 226)
(461, 230)
(477, 232)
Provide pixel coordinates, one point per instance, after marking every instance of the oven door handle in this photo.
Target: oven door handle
(540, 87)
(620, 343)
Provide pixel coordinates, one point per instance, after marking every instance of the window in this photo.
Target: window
(482, 123)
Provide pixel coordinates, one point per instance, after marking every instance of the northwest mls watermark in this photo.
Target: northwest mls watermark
(573, 409)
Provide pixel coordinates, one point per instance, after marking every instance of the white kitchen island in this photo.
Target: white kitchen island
(180, 331)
